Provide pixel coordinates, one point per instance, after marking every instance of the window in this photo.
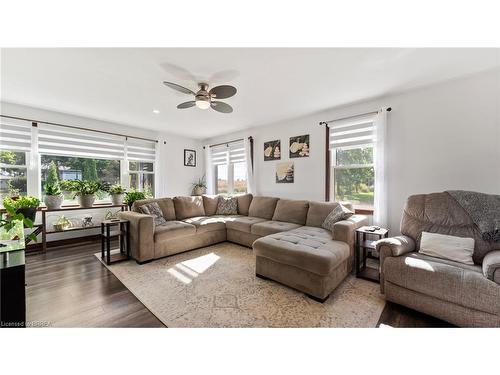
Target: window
(75, 168)
(13, 173)
(352, 168)
(230, 168)
(141, 177)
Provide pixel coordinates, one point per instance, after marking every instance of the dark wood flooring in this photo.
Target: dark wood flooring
(69, 287)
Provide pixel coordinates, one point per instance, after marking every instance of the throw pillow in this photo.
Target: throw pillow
(338, 213)
(227, 206)
(154, 210)
(458, 249)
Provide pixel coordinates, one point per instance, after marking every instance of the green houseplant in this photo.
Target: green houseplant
(199, 187)
(132, 196)
(13, 222)
(117, 193)
(85, 190)
(53, 195)
(25, 205)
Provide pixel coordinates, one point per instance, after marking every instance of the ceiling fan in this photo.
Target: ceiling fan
(203, 99)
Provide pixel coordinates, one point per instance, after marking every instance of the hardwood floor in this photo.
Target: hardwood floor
(69, 287)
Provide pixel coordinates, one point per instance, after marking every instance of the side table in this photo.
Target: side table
(122, 231)
(363, 250)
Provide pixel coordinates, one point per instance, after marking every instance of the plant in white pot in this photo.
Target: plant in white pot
(199, 187)
(117, 193)
(53, 196)
(85, 190)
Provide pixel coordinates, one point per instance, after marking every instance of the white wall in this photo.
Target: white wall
(445, 136)
(173, 177)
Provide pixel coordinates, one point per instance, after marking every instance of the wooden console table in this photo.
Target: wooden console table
(44, 212)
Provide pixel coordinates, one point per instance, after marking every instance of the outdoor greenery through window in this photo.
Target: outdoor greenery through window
(13, 173)
(354, 175)
(231, 179)
(141, 177)
(77, 168)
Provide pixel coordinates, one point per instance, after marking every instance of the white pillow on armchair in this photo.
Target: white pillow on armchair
(458, 249)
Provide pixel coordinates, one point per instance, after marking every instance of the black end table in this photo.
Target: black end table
(115, 228)
(364, 246)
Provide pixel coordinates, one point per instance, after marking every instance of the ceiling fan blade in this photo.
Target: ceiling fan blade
(177, 87)
(223, 92)
(186, 104)
(221, 107)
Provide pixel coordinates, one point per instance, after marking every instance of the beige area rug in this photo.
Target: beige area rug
(216, 287)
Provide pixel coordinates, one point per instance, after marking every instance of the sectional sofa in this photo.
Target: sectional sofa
(289, 243)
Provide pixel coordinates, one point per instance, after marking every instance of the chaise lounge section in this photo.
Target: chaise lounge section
(289, 243)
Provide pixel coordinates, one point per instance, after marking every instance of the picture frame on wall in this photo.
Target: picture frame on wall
(272, 150)
(189, 158)
(299, 146)
(285, 173)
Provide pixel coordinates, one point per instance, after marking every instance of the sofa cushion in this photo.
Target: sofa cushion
(244, 203)
(154, 210)
(304, 249)
(186, 207)
(210, 204)
(227, 206)
(339, 213)
(262, 207)
(270, 227)
(173, 229)
(318, 211)
(458, 249)
(206, 224)
(243, 223)
(226, 218)
(291, 211)
(166, 205)
(443, 279)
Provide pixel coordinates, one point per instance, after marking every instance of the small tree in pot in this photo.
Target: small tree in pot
(199, 187)
(117, 193)
(84, 190)
(132, 196)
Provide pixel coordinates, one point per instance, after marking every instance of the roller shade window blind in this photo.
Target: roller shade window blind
(15, 135)
(352, 133)
(233, 152)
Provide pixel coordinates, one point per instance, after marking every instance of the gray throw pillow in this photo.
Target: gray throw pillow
(227, 206)
(154, 210)
(338, 213)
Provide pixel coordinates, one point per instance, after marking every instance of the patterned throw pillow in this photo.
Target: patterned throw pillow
(339, 213)
(154, 210)
(227, 206)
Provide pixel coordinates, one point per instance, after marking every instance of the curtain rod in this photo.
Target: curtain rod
(348, 117)
(78, 127)
(225, 143)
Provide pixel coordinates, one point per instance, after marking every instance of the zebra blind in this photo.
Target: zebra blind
(15, 135)
(138, 149)
(352, 133)
(233, 152)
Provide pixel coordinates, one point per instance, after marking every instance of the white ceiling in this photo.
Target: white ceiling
(125, 85)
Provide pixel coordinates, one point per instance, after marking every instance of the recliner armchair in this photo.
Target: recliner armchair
(464, 295)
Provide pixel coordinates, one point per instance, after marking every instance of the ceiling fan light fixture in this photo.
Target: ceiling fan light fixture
(202, 103)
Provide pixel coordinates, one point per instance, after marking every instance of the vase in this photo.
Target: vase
(53, 202)
(28, 213)
(198, 190)
(117, 199)
(86, 200)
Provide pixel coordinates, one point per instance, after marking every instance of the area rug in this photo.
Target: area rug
(216, 287)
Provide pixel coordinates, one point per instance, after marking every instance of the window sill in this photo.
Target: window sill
(363, 211)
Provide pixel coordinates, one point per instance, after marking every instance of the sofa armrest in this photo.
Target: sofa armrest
(141, 235)
(392, 247)
(491, 266)
(344, 230)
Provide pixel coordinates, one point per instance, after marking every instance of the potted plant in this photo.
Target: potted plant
(13, 223)
(117, 193)
(199, 187)
(53, 195)
(132, 196)
(85, 190)
(25, 205)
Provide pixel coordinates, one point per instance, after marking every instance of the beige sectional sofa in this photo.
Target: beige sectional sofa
(290, 245)
(462, 294)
